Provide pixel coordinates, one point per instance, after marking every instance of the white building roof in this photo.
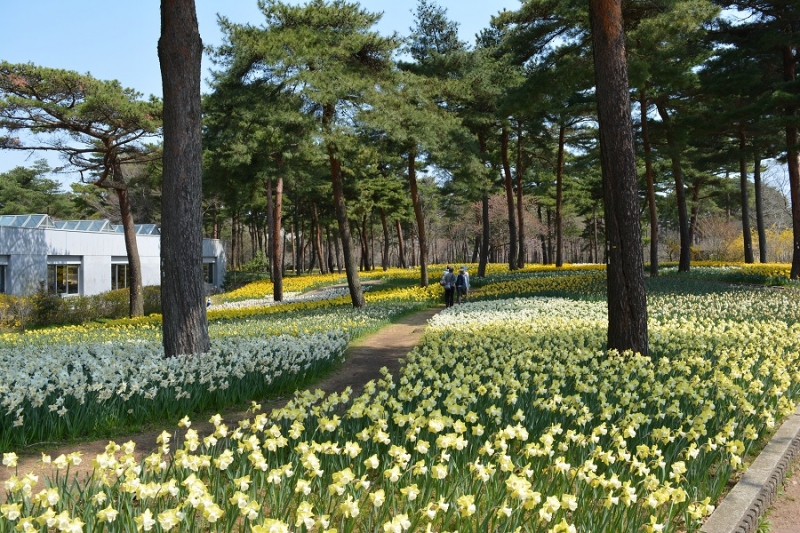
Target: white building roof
(26, 221)
(44, 221)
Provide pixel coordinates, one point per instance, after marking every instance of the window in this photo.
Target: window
(3, 278)
(62, 279)
(119, 276)
(208, 269)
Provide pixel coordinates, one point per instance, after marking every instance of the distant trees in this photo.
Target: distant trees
(27, 190)
(329, 54)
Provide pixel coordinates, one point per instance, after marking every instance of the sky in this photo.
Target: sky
(116, 39)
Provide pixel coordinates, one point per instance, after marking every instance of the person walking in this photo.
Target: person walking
(448, 281)
(461, 285)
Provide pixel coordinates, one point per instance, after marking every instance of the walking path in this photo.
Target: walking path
(387, 347)
(364, 359)
(784, 515)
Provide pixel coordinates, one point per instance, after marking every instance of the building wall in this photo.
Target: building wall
(28, 251)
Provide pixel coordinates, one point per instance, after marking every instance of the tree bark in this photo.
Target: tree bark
(696, 186)
(317, 236)
(277, 239)
(762, 233)
(364, 236)
(627, 303)
(351, 270)
(485, 235)
(793, 159)
(680, 192)
(485, 230)
(337, 250)
(542, 236)
(651, 188)
(562, 129)
(423, 242)
(401, 247)
(385, 248)
(520, 205)
(747, 236)
(512, 214)
(136, 303)
(270, 251)
(185, 327)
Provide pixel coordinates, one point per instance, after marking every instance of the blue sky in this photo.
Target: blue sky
(114, 39)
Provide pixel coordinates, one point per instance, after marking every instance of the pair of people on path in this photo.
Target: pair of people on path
(454, 285)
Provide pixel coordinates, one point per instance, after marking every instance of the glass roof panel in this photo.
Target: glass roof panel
(26, 221)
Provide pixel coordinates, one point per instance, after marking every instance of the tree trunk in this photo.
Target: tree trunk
(512, 215)
(696, 211)
(520, 205)
(651, 188)
(627, 303)
(549, 235)
(385, 248)
(559, 196)
(793, 159)
(270, 251)
(136, 303)
(423, 242)
(298, 243)
(401, 247)
(485, 230)
(762, 233)
(277, 240)
(596, 234)
(317, 237)
(542, 236)
(337, 250)
(485, 236)
(364, 243)
(680, 193)
(329, 240)
(747, 236)
(351, 270)
(215, 222)
(185, 327)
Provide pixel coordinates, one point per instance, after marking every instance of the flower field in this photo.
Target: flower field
(511, 416)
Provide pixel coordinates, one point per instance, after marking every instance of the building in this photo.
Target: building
(84, 256)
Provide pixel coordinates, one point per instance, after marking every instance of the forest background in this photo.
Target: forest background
(486, 151)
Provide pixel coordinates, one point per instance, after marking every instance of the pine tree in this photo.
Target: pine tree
(99, 127)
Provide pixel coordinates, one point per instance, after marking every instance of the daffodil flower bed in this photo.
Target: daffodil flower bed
(76, 381)
(509, 417)
(760, 273)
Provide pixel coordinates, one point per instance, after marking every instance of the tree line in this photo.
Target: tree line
(324, 140)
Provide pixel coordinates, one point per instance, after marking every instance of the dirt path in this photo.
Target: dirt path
(784, 514)
(365, 358)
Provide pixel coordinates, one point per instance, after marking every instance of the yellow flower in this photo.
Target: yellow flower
(271, 525)
(11, 511)
(109, 514)
(10, 459)
(145, 522)
(466, 505)
(349, 508)
(170, 518)
(411, 492)
(378, 497)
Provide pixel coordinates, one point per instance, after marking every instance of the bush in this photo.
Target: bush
(257, 265)
(44, 309)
